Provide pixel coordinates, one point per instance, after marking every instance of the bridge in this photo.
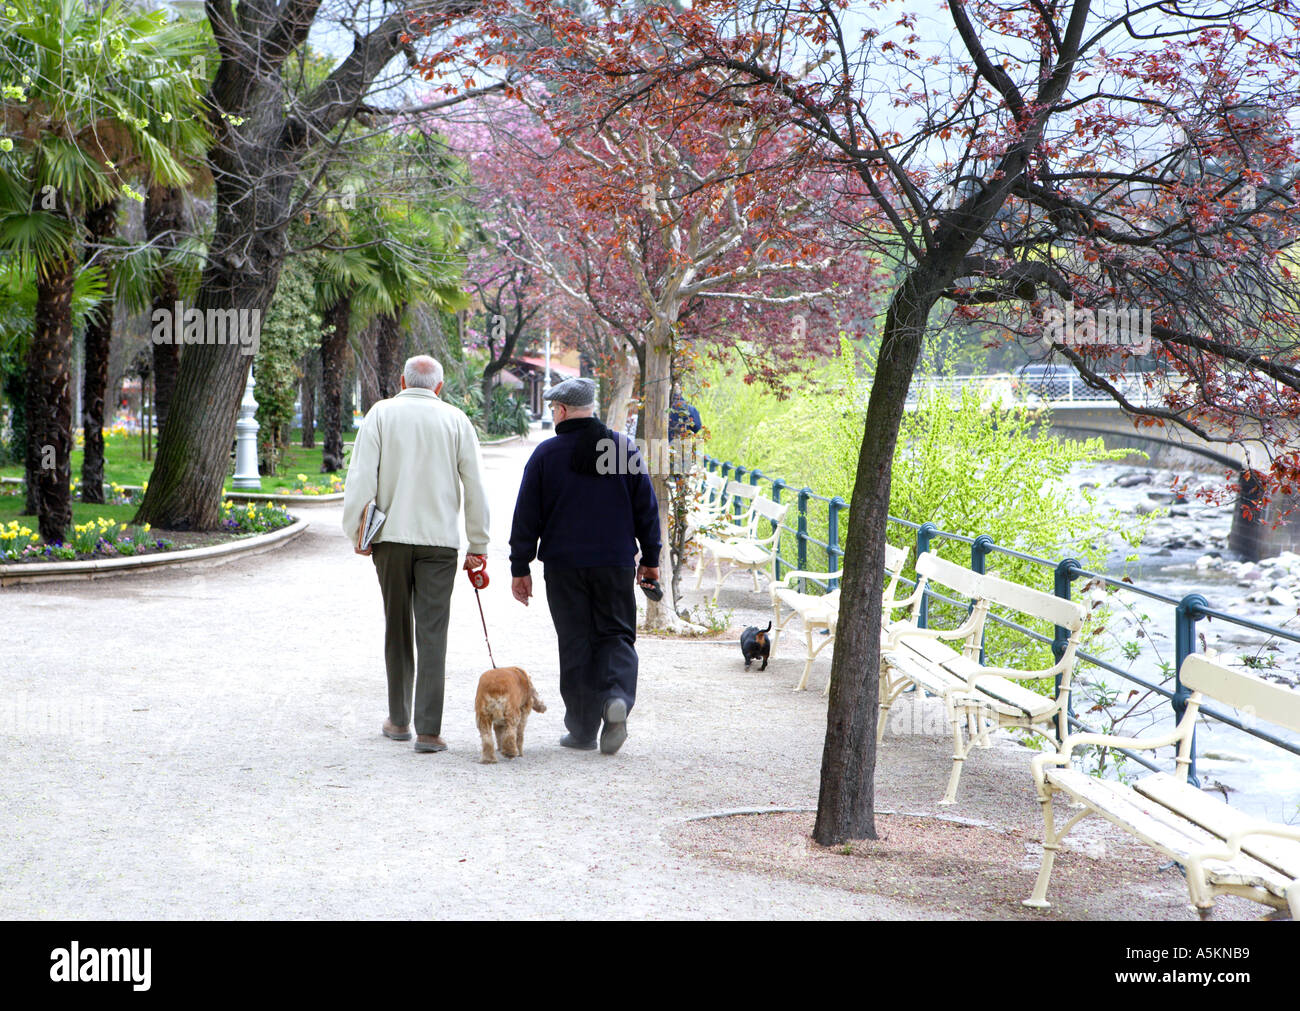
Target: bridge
(1076, 410)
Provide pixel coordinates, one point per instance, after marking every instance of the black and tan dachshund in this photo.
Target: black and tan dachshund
(754, 643)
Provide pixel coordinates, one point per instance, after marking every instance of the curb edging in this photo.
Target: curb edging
(14, 574)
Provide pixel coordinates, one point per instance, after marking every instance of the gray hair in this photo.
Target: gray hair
(422, 373)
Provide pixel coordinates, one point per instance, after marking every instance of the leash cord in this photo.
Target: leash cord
(485, 631)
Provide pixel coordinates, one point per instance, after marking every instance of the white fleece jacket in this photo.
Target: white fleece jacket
(412, 455)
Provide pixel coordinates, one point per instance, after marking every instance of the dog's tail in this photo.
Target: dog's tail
(769, 627)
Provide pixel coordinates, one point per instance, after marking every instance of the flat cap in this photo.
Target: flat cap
(573, 392)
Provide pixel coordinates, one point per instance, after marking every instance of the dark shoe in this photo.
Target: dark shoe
(614, 732)
(395, 733)
(569, 741)
(429, 742)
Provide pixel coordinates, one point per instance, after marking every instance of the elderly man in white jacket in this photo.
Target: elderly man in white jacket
(413, 454)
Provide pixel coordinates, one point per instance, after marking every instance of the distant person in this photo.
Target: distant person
(588, 524)
(683, 419)
(683, 425)
(413, 454)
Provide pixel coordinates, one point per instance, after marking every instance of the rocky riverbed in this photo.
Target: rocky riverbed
(1185, 550)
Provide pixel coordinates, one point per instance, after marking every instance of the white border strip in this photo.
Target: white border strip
(16, 573)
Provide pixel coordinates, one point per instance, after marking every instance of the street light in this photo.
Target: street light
(546, 404)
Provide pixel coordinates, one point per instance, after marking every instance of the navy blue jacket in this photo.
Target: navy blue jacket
(583, 520)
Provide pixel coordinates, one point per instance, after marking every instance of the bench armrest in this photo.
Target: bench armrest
(1062, 757)
(965, 630)
(896, 605)
(786, 581)
(1230, 849)
(1016, 674)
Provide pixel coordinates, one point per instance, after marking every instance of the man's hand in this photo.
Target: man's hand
(522, 588)
(644, 574)
(475, 562)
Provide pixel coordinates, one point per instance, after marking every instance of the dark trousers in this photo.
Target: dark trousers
(594, 611)
(416, 582)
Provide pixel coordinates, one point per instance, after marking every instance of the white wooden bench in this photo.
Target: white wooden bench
(746, 550)
(978, 697)
(713, 500)
(820, 612)
(1225, 852)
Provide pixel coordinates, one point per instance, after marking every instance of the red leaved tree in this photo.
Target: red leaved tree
(1014, 157)
(666, 225)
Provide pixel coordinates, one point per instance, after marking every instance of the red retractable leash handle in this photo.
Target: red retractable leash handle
(478, 579)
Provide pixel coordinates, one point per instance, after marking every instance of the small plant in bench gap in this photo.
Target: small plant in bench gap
(253, 518)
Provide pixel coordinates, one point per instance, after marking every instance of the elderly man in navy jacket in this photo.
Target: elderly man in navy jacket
(589, 502)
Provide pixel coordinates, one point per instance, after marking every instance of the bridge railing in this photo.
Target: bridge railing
(826, 555)
(1064, 386)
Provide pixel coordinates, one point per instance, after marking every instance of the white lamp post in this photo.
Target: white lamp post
(246, 475)
(546, 404)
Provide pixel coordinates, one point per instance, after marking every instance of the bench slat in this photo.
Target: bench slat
(1162, 829)
(1034, 603)
(931, 678)
(1269, 702)
(1020, 700)
(1215, 816)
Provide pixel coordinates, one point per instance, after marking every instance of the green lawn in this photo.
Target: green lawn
(11, 507)
(122, 464)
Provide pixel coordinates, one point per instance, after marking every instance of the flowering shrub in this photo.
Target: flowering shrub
(253, 518)
(304, 487)
(97, 538)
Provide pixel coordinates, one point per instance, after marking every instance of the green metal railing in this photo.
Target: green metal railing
(1187, 611)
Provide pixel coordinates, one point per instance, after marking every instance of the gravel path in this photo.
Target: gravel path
(206, 745)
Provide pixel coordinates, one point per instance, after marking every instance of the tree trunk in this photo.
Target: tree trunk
(31, 454)
(388, 345)
(310, 382)
(49, 400)
(333, 352)
(260, 139)
(654, 428)
(368, 365)
(846, 805)
(101, 222)
(620, 392)
(164, 222)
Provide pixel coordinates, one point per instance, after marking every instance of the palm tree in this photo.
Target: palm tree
(92, 95)
(17, 321)
(379, 262)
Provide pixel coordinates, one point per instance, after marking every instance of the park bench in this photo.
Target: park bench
(1224, 852)
(977, 697)
(739, 547)
(820, 612)
(713, 500)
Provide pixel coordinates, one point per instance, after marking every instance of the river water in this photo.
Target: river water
(1185, 551)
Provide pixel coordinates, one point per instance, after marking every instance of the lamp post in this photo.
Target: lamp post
(546, 404)
(246, 475)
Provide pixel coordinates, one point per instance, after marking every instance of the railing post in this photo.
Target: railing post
(726, 466)
(923, 534)
(802, 534)
(833, 552)
(737, 475)
(1062, 576)
(777, 486)
(1186, 615)
(711, 463)
(979, 551)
